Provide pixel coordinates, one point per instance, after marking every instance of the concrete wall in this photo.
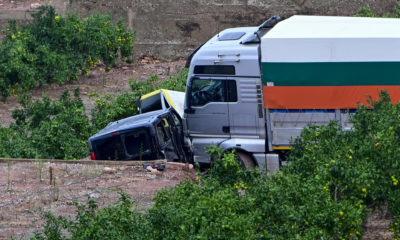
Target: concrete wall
(20, 15)
(169, 29)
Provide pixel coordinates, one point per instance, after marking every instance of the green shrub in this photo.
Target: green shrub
(366, 11)
(55, 49)
(203, 211)
(47, 129)
(108, 109)
(225, 168)
(114, 222)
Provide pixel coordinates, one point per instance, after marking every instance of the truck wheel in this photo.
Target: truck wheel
(245, 160)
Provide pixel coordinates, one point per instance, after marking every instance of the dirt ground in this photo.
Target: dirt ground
(20, 4)
(377, 225)
(24, 187)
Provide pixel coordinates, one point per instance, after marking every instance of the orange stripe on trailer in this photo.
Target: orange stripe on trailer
(323, 97)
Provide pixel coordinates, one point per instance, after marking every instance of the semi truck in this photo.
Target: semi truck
(254, 89)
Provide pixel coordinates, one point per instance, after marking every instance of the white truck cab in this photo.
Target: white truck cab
(224, 102)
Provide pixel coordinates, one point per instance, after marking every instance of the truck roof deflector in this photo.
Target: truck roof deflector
(263, 28)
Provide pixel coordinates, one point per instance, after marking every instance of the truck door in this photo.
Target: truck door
(207, 114)
(247, 114)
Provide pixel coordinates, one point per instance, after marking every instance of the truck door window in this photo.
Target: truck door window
(204, 91)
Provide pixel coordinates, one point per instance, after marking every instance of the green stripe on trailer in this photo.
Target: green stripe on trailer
(331, 74)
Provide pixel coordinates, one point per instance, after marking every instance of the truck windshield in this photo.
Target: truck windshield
(130, 145)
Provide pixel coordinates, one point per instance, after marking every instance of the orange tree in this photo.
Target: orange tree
(55, 49)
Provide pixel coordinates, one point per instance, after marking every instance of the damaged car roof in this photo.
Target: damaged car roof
(126, 123)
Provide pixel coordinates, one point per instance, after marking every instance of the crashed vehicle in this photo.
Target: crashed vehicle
(147, 136)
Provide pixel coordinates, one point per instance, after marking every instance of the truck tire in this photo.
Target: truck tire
(246, 160)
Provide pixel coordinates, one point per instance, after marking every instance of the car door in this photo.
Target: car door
(165, 139)
(178, 137)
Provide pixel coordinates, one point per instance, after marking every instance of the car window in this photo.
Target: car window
(162, 133)
(176, 120)
(137, 143)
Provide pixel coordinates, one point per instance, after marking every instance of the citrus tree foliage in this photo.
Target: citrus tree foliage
(55, 49)
(366, 11)
(47, 128)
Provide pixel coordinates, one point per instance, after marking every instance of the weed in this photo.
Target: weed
(9, 164)
(55, 189)
(366, 11)
(90, 171)
(104, 79)
(39, 164)
(29, 203)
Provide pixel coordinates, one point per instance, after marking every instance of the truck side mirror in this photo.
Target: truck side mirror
(188, 109)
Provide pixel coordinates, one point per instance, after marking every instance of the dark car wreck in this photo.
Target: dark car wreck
(148, 136)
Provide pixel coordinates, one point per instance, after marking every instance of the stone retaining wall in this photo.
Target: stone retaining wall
(169, 29)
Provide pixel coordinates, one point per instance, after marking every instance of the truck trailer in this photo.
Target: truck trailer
(254, 89)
